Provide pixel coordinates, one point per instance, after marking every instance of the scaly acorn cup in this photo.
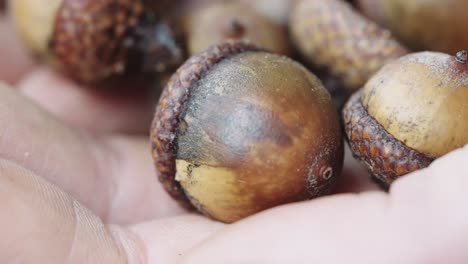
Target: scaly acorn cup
(332, 35)
(423, 24)
(95, 40)
(218, 22)
(411, 112)
(239, 130)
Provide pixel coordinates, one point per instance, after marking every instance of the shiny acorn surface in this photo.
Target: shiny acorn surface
(239, 130)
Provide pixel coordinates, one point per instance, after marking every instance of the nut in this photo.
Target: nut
(93, 40)
(218, 22)
(423, 24)
(239, 130)
(410, 113)
(331, 35)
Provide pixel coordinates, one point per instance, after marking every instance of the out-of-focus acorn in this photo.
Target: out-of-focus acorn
(332, 35)
(95, 40)
(218, 22)
(276, 10)
(423, 24)
(239, 130)
(411, 112)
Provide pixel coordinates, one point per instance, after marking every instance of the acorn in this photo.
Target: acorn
(422, 24)
(239, 21)
(276, 10)
(410, 113)
(95, 40)
(239, 129)
(333, 36)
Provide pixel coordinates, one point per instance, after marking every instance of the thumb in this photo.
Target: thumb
(40, 222)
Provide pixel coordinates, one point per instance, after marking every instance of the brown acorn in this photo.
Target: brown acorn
(276, 10)
(423, 24)
(218, 22)
(239, 130)
(411, 112)
(94, 40)
(332, 35)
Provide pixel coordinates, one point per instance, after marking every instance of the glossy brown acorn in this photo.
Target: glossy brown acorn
(239, 130)
(93, 40)
(332, 35)
(218, 22)
(411, 112)
(423, 24)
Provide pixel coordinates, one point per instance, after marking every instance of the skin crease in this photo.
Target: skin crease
(53, 213)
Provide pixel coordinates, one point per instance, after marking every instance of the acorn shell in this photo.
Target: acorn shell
(332, 35)
(410, 113)
(423, 24)
(239, 130)
(218, 22)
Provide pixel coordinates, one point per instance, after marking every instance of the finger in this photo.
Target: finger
(167, 240)
(94, 109)
(14, 60)
(40, 222)
(424, 219)
(114, 176)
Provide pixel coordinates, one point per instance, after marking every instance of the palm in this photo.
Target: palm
(95, 147)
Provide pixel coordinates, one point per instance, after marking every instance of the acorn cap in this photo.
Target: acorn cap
(385, 157)
(422, 100)
(228, 140)
(332, 35)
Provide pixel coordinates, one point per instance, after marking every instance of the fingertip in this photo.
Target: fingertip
(88, 107)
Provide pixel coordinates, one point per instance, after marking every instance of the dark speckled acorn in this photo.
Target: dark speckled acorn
(239, 130)
(411, 112)
(94, 40)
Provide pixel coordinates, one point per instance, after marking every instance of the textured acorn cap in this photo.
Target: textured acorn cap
(239, 130)
(332, 35)
(92, 40)
(422, 100)
(218, 22)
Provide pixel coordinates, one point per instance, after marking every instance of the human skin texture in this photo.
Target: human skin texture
(75, 193)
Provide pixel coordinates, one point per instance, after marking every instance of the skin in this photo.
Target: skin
(57, 205)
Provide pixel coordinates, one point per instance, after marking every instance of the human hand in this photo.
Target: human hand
(77, 185)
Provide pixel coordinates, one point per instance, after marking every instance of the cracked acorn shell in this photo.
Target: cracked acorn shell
(239, 130)
(411, 112)
(423, 24)
(94, 40)
(332, 35)
(218, 22)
